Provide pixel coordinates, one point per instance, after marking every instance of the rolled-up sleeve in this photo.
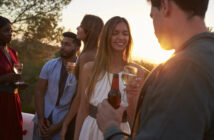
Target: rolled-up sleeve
(45, 70)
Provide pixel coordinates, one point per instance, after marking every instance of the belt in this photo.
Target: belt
(9, 88)
(93, 113)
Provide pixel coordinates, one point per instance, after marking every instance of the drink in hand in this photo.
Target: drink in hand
(114, 95)
(70, 66)
(129, 74)
(128, 77)
(17, 68)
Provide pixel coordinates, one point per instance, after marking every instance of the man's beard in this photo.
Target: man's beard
(68, 55)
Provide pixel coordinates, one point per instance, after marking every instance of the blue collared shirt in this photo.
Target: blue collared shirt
(51, 72)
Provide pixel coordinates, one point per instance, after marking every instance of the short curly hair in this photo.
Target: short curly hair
(4, 21)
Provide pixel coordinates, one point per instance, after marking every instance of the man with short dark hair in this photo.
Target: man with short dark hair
(55, 90)
(177, 99)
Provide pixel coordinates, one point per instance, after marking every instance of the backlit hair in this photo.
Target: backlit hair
(102, 62)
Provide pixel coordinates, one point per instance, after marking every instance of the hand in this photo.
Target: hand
(42, 128)
(22, 85)
(108, 117)
(10, 78)
(63, 131)
(52, 129)
(18, 67)
(133, 90)
(70, 67)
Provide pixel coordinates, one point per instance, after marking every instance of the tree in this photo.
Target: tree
(35, 19)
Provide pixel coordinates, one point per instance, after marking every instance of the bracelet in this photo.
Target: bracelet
(118, 133)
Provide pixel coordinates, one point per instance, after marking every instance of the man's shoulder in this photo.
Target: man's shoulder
(200, 52)
(53, 61)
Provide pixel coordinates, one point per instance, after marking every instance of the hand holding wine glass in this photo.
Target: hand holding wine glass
(70, 67)
(17, 68)
(129, 75)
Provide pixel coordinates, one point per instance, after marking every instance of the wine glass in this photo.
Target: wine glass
(17, 68)
(129, 75)
(70, 67)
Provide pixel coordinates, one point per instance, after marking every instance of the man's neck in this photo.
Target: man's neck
(71, 59)
(187, 31)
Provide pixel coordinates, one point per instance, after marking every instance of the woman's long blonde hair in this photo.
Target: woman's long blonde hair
(102, 62)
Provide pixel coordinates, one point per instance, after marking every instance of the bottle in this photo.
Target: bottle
(114, 95)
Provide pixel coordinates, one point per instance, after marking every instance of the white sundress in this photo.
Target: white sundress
(90, 130)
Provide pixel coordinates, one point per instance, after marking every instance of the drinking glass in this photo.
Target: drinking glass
(70, 67)
(17, 68)
(129, 75)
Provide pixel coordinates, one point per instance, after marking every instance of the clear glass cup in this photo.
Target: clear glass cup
(17, 68)
(129, 75)
(70, 67)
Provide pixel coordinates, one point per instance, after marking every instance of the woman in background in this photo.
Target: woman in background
(96, 79)
(10, 104)
(89, 32)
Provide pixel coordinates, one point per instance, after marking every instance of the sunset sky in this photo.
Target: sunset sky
(137, 12)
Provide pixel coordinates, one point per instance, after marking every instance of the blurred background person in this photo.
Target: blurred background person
(10, 104)
(89, 32)
(55, 90)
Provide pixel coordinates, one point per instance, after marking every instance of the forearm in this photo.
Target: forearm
(115, 133)
(72, 111)
(39, 105)
(59, 125)
(39, 97)
(132, 110)
(79, 122)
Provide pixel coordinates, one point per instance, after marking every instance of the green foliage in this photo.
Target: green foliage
(36, 23)
(35, 19)
(33, 55)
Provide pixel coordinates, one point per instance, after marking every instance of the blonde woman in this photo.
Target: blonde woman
(114, 53)
(89, 32)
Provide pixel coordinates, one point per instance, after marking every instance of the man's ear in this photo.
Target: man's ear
(165, 7)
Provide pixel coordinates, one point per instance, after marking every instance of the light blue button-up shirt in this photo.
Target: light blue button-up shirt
(51, 72)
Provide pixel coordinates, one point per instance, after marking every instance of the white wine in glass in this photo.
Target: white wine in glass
(17, 68)
(129, 74)
(128, 77)
(70, 67)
